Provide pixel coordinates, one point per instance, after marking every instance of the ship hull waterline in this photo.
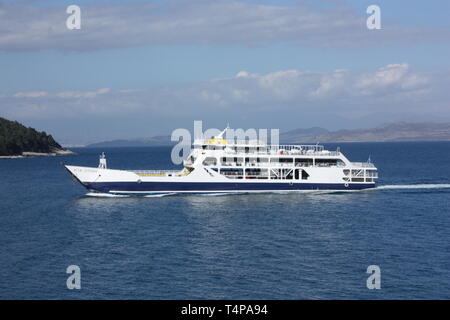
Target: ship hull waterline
(144, 188)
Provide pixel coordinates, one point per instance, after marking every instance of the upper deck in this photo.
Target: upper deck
(272, 155)
(256, 147)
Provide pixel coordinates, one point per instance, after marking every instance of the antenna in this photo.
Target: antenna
(220, 136)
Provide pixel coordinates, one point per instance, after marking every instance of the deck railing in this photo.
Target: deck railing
(279, 165)
(260, 148)
(363, 164)
(284, 150)
(155, 172)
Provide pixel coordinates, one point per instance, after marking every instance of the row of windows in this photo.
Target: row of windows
(277, 174)
(236, 149)
(212, 161)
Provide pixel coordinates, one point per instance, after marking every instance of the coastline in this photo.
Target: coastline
(27, 154)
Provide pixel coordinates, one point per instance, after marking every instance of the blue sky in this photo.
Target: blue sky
(141, 68)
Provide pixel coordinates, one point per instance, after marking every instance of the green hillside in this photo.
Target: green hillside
(16, 138)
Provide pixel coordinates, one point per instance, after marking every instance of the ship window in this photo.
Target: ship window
(275, 174)
(358, 173)
(254, 161)
(228, 161)
(297, 173)
(326, 162)
(305, 175)
(210, 161)
(288, 174)
(303, 162)
(371, 174)
(256, 174)
(232, 173)
(282, 161)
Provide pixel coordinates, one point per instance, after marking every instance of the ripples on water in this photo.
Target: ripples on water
(296, 245)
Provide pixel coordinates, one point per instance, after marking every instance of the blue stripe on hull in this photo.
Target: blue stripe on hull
(218, 186)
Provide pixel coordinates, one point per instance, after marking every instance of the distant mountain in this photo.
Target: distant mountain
(400, 131)
(301, 133)
(141, 142)
(18, 140)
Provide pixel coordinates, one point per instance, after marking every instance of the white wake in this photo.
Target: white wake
(106, 195)
(159, 195)
(414, 186)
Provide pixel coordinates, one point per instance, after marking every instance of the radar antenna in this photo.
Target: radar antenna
(220, 136)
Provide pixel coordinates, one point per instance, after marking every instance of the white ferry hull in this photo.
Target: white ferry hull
(221, 166)
(127, 182)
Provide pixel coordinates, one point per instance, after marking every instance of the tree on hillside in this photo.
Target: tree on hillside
(15, 138)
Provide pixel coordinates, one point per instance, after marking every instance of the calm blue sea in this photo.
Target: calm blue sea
(261, 246)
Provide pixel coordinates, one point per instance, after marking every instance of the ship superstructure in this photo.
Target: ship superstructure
(219, 165)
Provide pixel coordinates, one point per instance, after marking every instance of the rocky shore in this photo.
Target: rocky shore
(55, 152)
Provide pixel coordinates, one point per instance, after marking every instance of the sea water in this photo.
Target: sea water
(315, 245)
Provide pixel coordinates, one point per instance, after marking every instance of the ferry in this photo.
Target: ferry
(218, 165)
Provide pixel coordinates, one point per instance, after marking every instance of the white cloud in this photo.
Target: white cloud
(81, 94)
(243, 74)
(24, 27)
(62, 94)
(284, 98)
(385, 76)
(392, 87)
(330, 83)
(393, 76)
(30, 94)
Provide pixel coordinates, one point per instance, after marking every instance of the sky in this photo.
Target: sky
(144, 68)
